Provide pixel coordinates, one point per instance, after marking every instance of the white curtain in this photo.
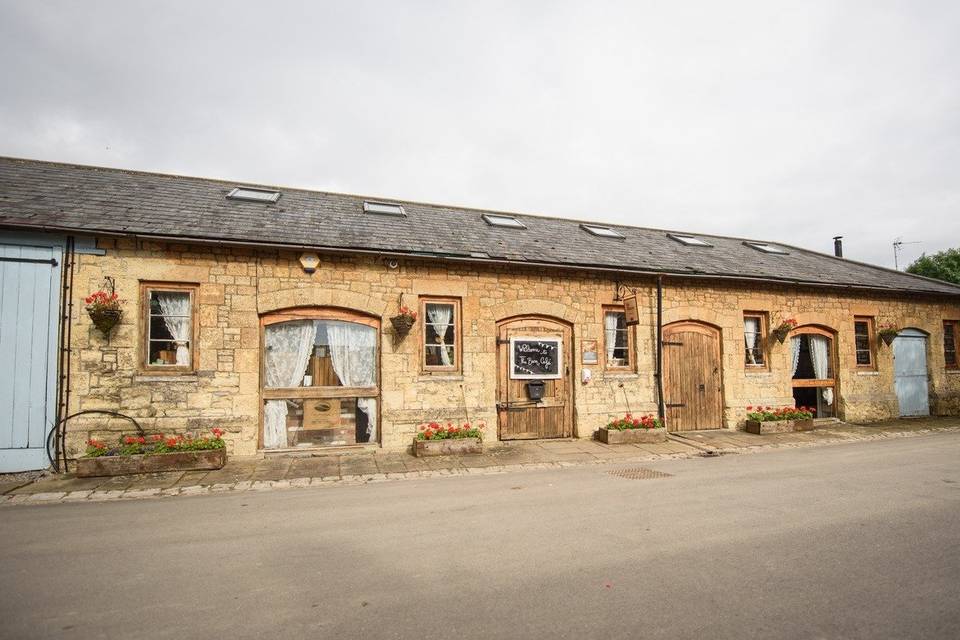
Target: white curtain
(353, 353)
(751, 328)
(288, 348)
(820, 357)
(175, 307)
(795, 349)
(610, 333)
(440, 316)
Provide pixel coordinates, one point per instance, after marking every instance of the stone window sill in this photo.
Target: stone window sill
(440, 378)
(753, 373)
(187, 377)
(867, 373)
(953, 372)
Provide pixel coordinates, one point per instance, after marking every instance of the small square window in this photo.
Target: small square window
(384, 208)
(863, 341)
(754, 339)
(617, 340)
(503, 221)
(603, 232)
(441, 334)
(168, 328)
(950, 343)
(254, 195)
(690, 241)
(767, 248)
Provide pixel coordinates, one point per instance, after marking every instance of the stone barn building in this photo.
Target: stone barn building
(267, 312)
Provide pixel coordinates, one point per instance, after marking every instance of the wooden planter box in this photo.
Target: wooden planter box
(632, 436)
(452, 447)
(125, 465)
(779, 426)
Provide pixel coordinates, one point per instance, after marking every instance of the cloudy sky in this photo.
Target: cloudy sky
(791, 121)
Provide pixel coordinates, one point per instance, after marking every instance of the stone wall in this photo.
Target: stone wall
(237, 286)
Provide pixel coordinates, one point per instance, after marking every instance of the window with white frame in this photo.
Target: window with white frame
(617, 340)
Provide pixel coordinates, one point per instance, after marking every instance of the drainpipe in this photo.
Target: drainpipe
(660, 406)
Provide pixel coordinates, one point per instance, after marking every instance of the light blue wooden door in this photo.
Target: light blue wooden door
(29, 323)
(910, 372)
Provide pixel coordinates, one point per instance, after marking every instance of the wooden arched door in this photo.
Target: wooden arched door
(534, 392)
(692, 380)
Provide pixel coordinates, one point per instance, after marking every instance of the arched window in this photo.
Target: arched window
(813, 358)
(319, 378)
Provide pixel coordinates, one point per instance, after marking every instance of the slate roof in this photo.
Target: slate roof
(64, 197)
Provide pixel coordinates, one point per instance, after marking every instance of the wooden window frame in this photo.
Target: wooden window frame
(307, 393)
(631, 366)
(818, 382)
(956, 338)
(457, 367)
(871, 341)
(762, 339)
(146, 287)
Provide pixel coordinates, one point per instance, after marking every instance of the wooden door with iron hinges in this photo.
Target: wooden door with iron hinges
(692, 381)
(518, 416)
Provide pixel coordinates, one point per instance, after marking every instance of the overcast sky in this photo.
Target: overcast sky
(781, 121)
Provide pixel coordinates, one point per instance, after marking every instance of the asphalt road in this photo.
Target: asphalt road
(847, 541)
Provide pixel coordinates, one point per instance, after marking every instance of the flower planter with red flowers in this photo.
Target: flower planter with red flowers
(763, 420)
(152, 454)
(435, 439)
(781, 331)
(631, 430)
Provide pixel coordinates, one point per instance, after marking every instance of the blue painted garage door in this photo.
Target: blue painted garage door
(29, 323)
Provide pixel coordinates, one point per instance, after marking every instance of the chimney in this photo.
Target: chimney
(838, 246)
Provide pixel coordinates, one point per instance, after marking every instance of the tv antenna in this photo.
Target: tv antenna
(897, 244)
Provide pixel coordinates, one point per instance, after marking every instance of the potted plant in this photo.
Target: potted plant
(887, 333)
(403, 321)
(631, 430)
(435, 439)
(770, 420)
(104, 310)
(783, 329)
(151, 454)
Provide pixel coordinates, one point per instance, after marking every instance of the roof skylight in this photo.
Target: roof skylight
(495, 220)
(603, 232)
(384, 208)
(690, 241)
(254, 195)
(767, 248)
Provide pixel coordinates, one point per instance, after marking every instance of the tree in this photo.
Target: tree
(943, 265)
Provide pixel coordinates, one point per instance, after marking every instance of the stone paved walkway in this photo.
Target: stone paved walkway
(330, 469)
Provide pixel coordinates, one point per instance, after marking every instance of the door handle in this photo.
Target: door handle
(703, 388)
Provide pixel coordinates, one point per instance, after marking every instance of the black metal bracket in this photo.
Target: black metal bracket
(50, 261)
(56, 434)
(620, 291)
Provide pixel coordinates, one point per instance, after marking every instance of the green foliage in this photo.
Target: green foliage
(769, 414)
(437, 431)
(155, 444)
(629, 422)
(943, 265)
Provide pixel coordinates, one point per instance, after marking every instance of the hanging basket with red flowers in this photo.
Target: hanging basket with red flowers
(783, 330)
(104, 310)
(403, 322)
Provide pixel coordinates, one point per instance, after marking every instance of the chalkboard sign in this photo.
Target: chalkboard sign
(535, 358)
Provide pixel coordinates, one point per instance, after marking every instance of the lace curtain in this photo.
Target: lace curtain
(353, 353)
(751, 328)
(440, 316)
(795, 350)
(820, 357)
(175, 307)
(610, 333)
(288, 347)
